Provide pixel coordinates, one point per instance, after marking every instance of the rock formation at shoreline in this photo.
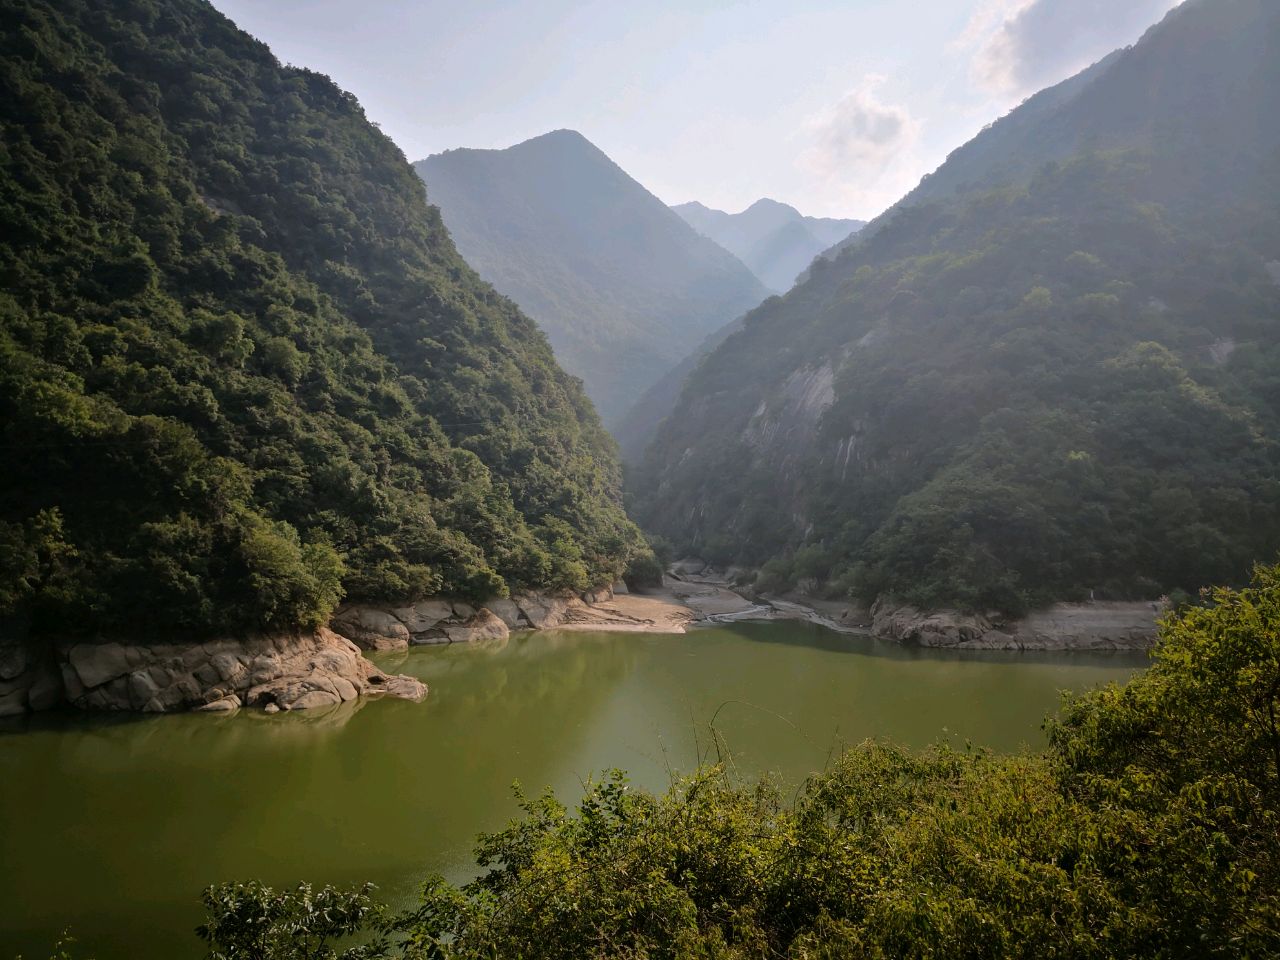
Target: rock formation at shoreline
(1064, 626)
(295, 671)
(438, 621)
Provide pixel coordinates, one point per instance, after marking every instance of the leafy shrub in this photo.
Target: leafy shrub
(1149, 827)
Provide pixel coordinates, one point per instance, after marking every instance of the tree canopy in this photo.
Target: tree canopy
(1055, 377)
(1147, 828)
(243, 370)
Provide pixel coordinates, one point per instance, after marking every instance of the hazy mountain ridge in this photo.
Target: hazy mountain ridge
(622, 286)
(1022, 386)
(1112, 111)
(774, 239)
(779, 244)
(249, 370)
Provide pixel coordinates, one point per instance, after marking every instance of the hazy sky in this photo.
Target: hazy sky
(835, 106)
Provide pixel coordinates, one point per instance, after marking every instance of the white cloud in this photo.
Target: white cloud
(858, 145)
(1020, 46)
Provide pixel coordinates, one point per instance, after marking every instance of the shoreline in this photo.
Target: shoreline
(1102, 626)
(328, 666)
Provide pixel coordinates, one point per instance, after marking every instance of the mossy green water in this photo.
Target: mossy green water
(113, 825)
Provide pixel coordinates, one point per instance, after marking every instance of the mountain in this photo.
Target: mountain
(1054, 369)
(778, 244)
(622, 286)
(243, 369)
(775, 240)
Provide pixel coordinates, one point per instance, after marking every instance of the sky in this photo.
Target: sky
(837, 107)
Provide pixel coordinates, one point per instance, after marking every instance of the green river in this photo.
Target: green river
(111, 826)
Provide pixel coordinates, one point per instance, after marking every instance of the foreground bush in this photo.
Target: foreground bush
(1147, 828)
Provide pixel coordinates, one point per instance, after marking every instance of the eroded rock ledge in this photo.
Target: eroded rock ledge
(295, 671)
(1064, 626)
(443, 621)
(283, 672)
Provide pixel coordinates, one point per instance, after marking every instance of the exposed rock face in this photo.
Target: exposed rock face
(689, 567)
(484, 624)
(1092, 626)
(1064, 626)
(286, 672)
(29, 676)
(508, 611)
(376, 629)
(942, 628)
(441, 621)
(544, 612)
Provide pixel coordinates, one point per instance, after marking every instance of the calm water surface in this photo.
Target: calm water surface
(111, 827)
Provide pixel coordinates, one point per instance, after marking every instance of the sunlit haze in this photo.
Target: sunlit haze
(835, 107)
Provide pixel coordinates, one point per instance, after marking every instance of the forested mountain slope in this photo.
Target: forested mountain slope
(242, 367)
(622, 286)
(774, 239)
(636, 429)
(778, 243)
(1061, 377)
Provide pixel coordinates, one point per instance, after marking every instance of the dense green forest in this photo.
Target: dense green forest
(243, 370)
(624, 288)
(1057, 378)
(1150, 827)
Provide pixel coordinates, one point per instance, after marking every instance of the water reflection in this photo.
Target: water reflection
(114, 824)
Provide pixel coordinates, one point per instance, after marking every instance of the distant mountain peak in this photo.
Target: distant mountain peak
(773, 206)
(773, 238)
(563, 136)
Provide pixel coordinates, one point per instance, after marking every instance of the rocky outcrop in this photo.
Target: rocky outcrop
(29, 676)
(283, 672)
(441, 621)
(482, 625)
(941, 628)
(688, 567)
(1064, 626)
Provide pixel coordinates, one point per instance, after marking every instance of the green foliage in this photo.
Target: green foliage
(243, 370)
(1149, 827)
(1053, 366)
(291, 582)
(645, 570)
(248, 921)
(1017, 422)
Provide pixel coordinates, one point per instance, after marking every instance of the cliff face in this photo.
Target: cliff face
(1018, 386)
